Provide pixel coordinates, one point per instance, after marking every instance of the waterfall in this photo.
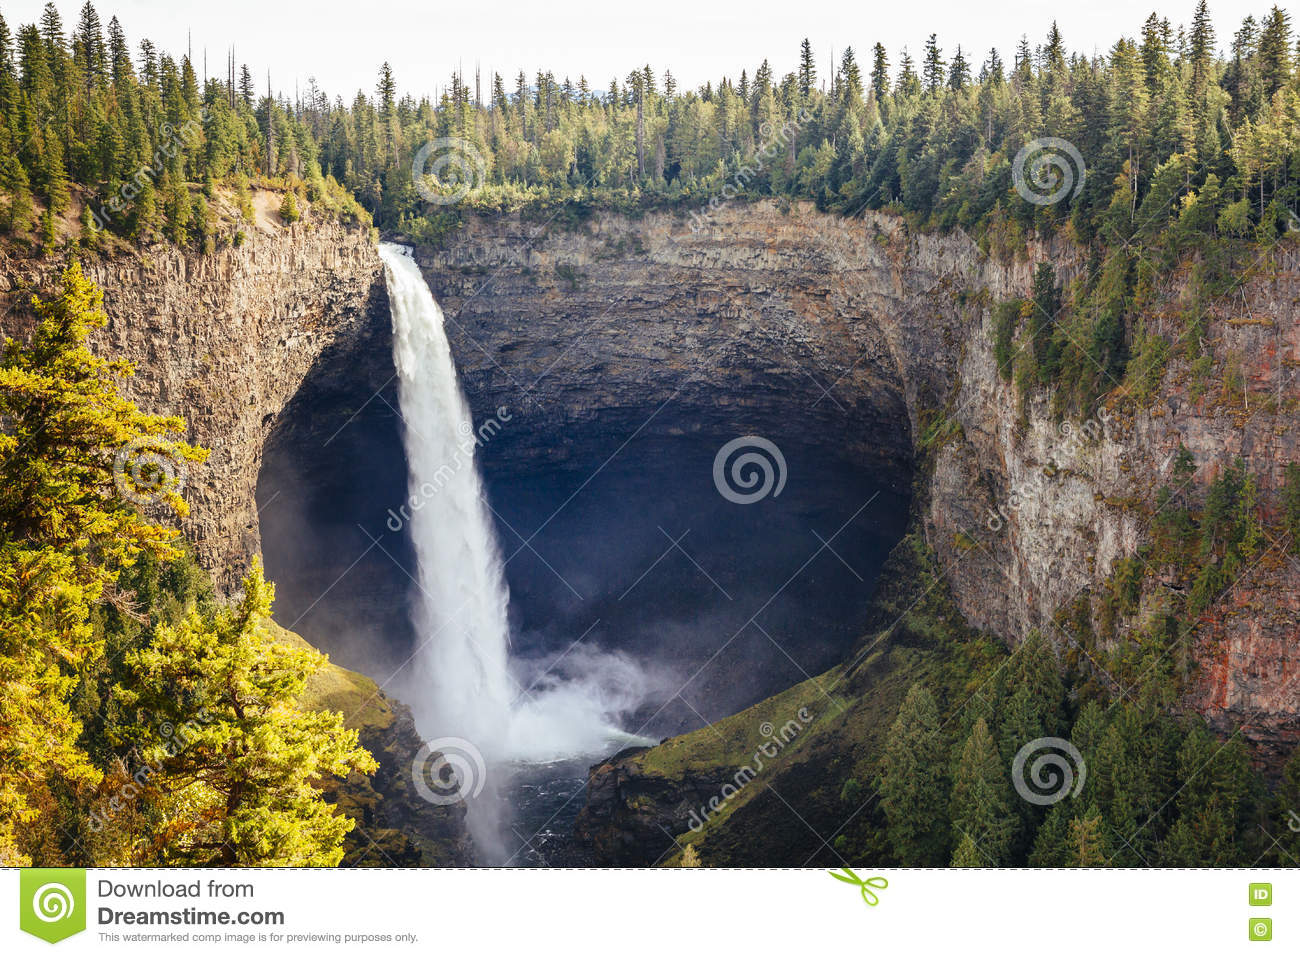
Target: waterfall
(459, 681)
(461, 659)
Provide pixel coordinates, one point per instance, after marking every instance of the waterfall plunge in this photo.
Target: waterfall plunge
(459, 682)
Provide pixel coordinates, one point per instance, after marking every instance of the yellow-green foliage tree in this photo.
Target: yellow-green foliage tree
(238, 786)
(66, 533)
(218, 763)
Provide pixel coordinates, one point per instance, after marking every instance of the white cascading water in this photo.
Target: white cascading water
(460, 613)
(460, 682)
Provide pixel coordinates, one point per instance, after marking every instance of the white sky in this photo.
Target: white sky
(342, 44)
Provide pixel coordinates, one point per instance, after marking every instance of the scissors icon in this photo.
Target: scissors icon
(868, 895)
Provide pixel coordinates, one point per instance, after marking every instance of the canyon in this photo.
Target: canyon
(860, 347)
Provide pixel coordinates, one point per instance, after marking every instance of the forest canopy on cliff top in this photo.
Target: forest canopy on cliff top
(1175, 126)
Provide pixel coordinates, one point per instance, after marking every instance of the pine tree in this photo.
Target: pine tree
(49, 232)
(807, 70)
(1054, 52)
(89, 238)
(52, 177)
(909, 84)
(143, 221)
(386, 91)
(848, 85)
(52, 34)
(177, 211)
(88, 46)
(19, 214)
(932, 65)
(119, 55)
(6, 57)
(968, 854)
(1024, 66)
(1213, 802)
(149, 63)
(1202, 51)
(1155, 52)
(289, 209)
(1088, 846)
(1052, 839)
(992, 70)
(958, 72)
(1275, 51)
(911, 782)
(879, 73)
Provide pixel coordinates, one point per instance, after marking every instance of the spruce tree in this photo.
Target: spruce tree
(932, 65)
(958, 72)
(807, 70)
(1088, 845)
(980, 801)
(879, 73)
(911, 782)
(1275, 51)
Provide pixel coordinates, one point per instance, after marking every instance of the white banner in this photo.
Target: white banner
(654, 912)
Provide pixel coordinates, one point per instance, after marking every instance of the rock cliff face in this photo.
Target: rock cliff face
(225, 341)
(878, 340)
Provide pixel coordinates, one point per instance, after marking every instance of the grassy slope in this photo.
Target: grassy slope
(337, 689)
(797, 805)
